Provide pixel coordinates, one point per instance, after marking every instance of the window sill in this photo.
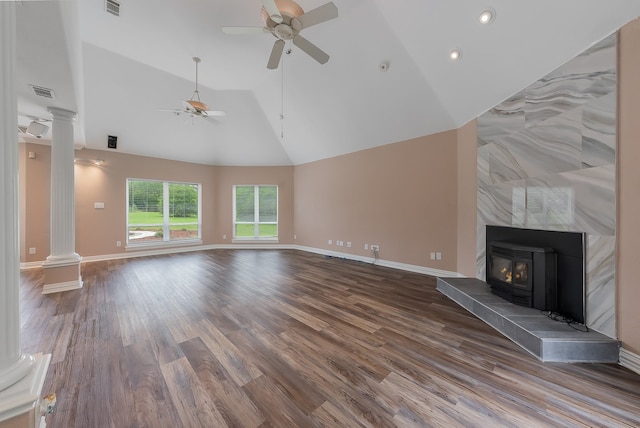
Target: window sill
(163, 244)
(255, 241)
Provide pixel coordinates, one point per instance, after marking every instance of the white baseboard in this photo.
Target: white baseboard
(62, 286)
(630, 360)
(257, 246)
(380, 262)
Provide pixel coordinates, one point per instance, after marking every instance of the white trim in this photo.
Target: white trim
(52, 262)
(163, 244)
(630, 360)
(62, 286)
(380, 262)
(150, 252)
(255, 245)
(24, 395)
(254, 240)
(30, 265)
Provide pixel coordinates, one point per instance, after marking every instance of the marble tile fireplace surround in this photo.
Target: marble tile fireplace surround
(546, 160)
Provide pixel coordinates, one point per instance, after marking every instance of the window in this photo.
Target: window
(162, 211)
(255, 212)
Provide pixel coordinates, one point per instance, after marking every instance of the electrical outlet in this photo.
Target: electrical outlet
(32, 250)
(340, 243)
(330, 242)
(295, 237)
(224, 236)
(438, 256)
(433, 256)
(366, 246)
(375, 248)
(118, 243)
(348, 244)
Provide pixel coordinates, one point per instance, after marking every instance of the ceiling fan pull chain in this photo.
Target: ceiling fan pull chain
(282, 99)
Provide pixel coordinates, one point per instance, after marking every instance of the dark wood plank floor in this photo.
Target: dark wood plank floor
(271, 338)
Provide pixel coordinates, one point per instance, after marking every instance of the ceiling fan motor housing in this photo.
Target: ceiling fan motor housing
(284, 32)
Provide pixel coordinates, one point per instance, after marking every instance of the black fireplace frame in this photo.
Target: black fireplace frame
(570, 249)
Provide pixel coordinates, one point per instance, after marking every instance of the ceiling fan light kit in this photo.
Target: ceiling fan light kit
(195, 107)
(285, 19)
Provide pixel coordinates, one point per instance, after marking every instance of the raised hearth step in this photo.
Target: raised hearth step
(543, 337)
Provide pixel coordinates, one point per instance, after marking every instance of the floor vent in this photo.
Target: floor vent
(42, 92)
(112, 6)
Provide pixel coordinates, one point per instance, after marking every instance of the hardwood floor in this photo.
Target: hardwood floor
(276, 338)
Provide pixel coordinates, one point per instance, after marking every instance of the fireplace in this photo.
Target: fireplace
(539, 248)
(523, 275)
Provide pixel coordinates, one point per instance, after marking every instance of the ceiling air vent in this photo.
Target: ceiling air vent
(42, 92)
(112, 6)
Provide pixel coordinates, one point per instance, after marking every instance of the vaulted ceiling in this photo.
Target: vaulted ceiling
(119, 72)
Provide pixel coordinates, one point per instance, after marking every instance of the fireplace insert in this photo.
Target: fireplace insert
(523, 275)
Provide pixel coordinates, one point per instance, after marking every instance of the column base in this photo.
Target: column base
(16, 371)
(21, 401)
(61, 275)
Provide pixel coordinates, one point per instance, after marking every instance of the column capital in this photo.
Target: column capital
(62, 114)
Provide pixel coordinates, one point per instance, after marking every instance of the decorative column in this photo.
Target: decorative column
(14, 365)
(21, 375)
(62, 267)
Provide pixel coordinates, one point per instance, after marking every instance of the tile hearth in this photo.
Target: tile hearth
(548, 340)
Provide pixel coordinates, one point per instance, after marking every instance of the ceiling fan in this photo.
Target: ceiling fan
(285, 19)
(194, 107)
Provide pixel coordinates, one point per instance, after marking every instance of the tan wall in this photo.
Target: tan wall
(467, 164)
(628, 296)
(97, 230)
(401, 197)
(227, 177)
(34, 217)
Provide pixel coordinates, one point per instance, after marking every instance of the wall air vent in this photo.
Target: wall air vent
(112, 6)
(42, 92)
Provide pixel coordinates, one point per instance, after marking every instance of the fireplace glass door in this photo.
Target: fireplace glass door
(514, 272)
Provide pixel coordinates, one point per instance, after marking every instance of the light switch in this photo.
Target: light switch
(98, 205)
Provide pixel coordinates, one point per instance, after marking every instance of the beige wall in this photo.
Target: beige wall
(97, 230)
(628, 282)
(467, 165)
(35, 181)
(227, 177)
(401, 197)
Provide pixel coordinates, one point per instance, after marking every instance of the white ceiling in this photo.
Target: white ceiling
(117, 73)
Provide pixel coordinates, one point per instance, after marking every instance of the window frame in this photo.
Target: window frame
(256, 215)
(166, 223)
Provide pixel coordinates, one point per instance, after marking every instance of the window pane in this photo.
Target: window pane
(183, 202)
(268, 202)
(142, 234)
(268, 230)
(145, 202)
(244, 230)
(185, 231)
(147, 220)
(245, 203)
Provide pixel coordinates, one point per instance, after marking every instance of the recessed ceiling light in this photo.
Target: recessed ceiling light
(487, 16)
(455, 54)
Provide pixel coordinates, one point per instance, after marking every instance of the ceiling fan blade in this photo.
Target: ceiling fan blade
(318, 15)
(273, 11)
(244, 30)
(215, 113)
(276, 53)
(211, 119)
(312, 50)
